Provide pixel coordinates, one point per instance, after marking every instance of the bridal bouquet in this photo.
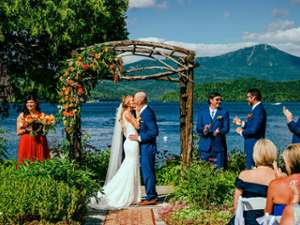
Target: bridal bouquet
(40, 123)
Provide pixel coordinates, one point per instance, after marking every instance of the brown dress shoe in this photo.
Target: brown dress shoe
(148, 202)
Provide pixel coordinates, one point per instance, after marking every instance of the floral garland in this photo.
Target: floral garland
(80, 75)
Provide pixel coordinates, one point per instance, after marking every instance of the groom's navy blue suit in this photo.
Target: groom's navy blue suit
(148, 132)
(253, 130)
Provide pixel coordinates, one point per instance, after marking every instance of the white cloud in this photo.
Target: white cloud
(280, 12)
(281, 25)
(147, 4)
(290, 36)
(203, 49)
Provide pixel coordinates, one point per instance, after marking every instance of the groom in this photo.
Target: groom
(147, 139)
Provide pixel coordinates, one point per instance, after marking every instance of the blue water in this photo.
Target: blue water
(98, 121)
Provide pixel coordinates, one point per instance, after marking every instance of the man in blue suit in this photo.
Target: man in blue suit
(255, 126)
(293, 126)
(212, 126)
(147, 138)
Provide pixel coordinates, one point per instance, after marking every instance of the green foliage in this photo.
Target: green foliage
(236, 161)
(54, 190)
(216, 186)
(235, 90)
(3, 151)
(97, 163)
(167, 174)
(196, 216)
(36, 36)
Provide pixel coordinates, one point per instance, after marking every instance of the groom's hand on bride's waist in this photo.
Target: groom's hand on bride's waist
(134, 137)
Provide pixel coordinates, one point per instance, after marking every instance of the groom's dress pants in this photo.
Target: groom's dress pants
(148, 172)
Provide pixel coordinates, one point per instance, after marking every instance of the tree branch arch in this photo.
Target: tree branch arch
(80, 74)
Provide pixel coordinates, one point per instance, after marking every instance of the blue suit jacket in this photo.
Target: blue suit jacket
(221, 120)
(255, 127)
(148, 131)
(294, 127)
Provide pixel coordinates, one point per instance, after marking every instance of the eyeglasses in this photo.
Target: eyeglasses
(218, 99)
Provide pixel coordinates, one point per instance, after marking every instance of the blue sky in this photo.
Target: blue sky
(215, 27)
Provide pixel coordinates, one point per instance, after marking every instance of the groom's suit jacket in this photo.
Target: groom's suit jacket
(209, 142)
(148, 131)
(294, 127)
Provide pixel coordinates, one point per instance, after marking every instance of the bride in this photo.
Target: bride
(122, 184)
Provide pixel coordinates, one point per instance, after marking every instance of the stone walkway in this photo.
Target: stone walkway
(134, 215)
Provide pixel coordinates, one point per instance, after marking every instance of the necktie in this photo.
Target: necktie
(212, 113)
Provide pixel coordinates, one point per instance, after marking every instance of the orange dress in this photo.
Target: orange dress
(32, 147)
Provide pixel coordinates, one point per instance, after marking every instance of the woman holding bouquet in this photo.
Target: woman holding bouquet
(33, 144)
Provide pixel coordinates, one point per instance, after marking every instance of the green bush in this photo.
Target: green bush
(202, 185)
(97, 163)
(3, 152)
(54, 190)
(167, 173)
(236, 161)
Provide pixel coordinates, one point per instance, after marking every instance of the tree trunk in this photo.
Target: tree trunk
(186, 118)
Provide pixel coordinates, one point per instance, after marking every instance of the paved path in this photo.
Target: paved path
(134, 215)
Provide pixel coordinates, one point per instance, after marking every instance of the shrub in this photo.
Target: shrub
(54, 190)
(202, 185)
(97, 163)
(3, 152)
(167, 173)
(236, 161)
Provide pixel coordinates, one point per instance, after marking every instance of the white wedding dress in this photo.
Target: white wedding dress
(123, 189)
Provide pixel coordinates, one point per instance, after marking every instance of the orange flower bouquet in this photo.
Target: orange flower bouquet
(39, 123)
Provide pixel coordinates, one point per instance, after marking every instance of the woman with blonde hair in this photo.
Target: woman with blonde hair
(122, 185)
(252, 185)
(280, 193)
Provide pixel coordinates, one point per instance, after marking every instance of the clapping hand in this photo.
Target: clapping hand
(205, 129)
(237, 121)
(288, 114)
(217, 132)
(239, 130)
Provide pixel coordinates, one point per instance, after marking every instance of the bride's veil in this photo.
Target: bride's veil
(116, 147)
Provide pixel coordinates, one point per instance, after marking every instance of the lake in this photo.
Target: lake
(98, 122)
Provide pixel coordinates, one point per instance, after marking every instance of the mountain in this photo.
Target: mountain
(262, 61)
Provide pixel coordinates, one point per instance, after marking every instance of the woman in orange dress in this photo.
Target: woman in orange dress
(32, 145)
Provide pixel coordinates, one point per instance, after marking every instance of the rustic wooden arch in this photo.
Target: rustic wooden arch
(170, 63)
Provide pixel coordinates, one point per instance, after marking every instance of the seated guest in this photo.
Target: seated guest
(279, 193)
(251, 185)
(291, 213)
(293, 126)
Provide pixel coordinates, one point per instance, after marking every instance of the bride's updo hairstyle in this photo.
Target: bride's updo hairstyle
(126, 102)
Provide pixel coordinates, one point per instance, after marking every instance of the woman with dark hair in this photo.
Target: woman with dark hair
(32, 145)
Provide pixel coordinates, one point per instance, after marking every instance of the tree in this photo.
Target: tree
(36, 35)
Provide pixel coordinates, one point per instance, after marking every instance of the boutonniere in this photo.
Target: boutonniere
(219, 117)
(249, 116)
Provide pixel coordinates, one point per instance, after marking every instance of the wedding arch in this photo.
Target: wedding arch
(79, 75)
